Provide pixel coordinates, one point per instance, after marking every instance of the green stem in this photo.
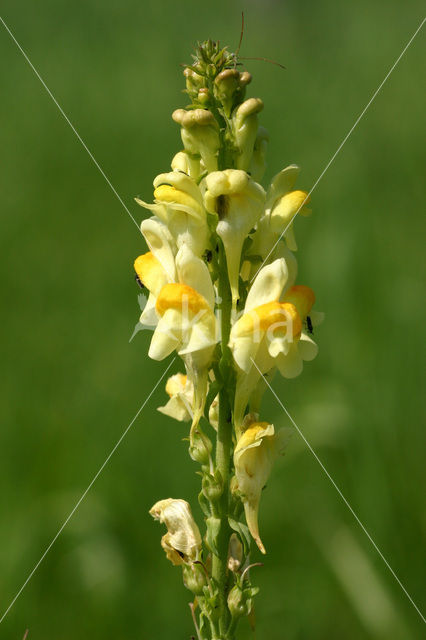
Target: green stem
(224, 431)
(223, 451)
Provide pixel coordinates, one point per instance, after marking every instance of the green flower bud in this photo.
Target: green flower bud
(240, 601)
(212, 486)
(194, 578)
(204, 96)
(235, 553)
(200, 447)
(227, 84)
(194, 82)
(245, 78)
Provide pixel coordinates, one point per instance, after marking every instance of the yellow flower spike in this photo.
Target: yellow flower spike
(238, 201)
(182, 542)
(254, 456)
(181, 393)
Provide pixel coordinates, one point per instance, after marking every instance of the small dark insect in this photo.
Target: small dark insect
(139, 281)
(208, 255)
(309, 325)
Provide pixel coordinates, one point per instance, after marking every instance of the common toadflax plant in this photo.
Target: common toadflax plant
(221, 275)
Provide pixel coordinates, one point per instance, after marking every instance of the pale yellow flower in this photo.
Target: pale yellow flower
(265, 323)
(178, 203)
(182, 312)
(160, 266)
(238, 202)
(181, 393)
(254, 455)
(187, 324)
(182, 542)
(283, 202)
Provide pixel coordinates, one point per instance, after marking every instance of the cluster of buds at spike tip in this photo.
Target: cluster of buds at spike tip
(222, 293)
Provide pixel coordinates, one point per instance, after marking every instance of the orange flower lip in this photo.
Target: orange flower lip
(180, 297)
(302, 297)
(282, 314)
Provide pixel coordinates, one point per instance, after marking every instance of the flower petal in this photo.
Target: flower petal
(281, 184)
(290, 365)
(268, 285)
(167, 335)
(194, 272)
(149, 315)
(308, 349)
(161, 245)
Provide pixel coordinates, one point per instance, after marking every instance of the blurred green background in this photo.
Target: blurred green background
(71, 382)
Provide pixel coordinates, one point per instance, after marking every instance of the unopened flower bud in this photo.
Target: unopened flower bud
(240, 601)
(194, 82)
(200, 134)
(212, 486)
(214, 413)
(245, 78)
(245, 130)
(200, 447)
(226, 87)
(194, 578)
(235, 553)
(203, 96)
